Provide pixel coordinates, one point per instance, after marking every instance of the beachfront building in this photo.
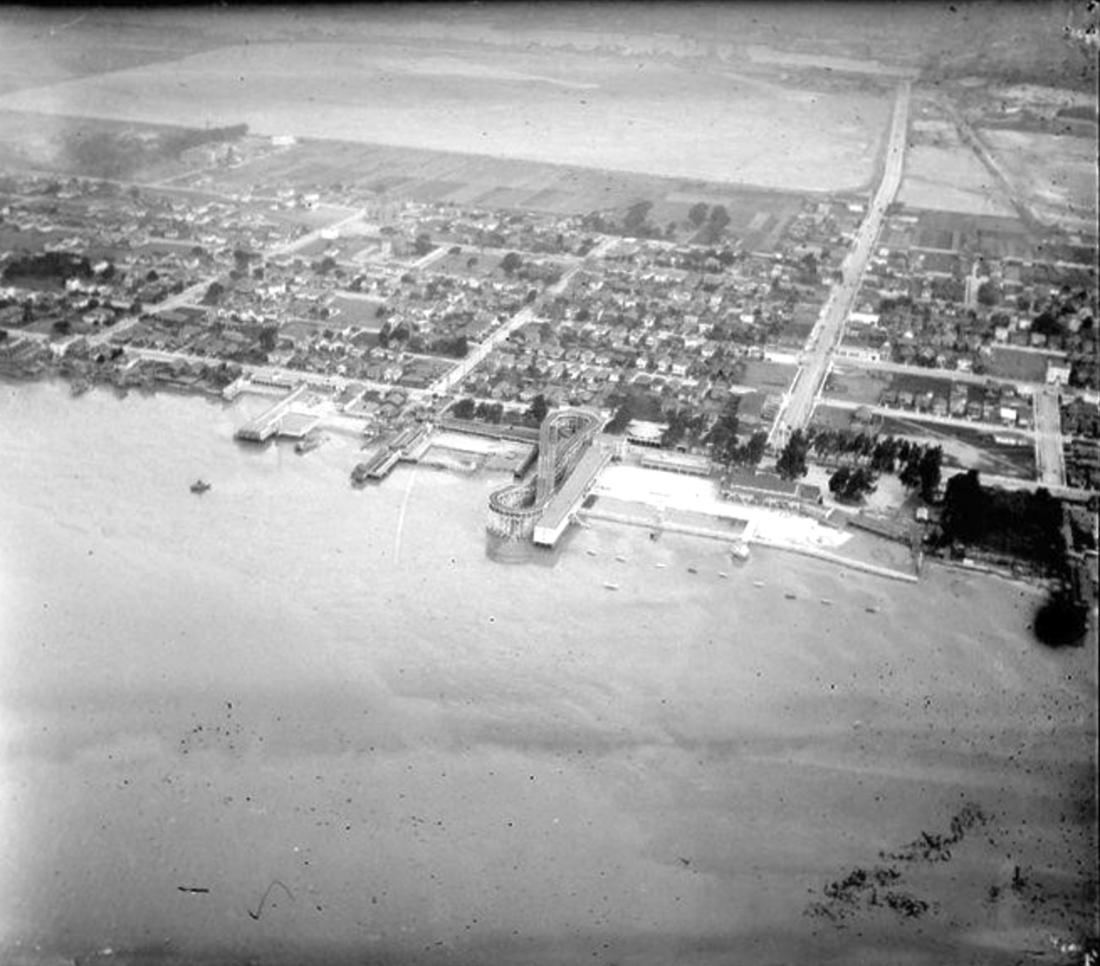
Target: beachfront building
(769, 490)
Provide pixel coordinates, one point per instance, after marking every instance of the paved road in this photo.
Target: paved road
(1049, 458)
(830, 326)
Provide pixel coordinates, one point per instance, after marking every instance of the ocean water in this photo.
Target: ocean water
(291, 719)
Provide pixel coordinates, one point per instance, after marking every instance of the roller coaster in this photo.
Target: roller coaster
(564, 437)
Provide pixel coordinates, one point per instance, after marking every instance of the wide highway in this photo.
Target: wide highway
(830, 325)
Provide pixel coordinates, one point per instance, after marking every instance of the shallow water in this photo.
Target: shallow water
(444, 747)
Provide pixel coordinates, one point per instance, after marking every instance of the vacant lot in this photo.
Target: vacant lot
(856, 385)
(1056, 174)
(356, 310)
(767, 376)
(1009, 363)
(950, 179)
(582, 109)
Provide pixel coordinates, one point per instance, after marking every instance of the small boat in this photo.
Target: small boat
(620, 558)
(611, 586)
(758, 583)
(722, 573)
(200, 486)
(791, 596)
(592, 553)
(871, 610)
(660, 566)
(825, 600)
(308, 443)
(692, 570)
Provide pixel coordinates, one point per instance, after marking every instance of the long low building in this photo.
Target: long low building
(767, 489)
(687, 463)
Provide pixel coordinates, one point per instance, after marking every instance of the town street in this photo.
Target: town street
(1049, 458)
(830, 326)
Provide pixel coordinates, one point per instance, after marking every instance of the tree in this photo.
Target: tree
(423, 244)
(463, 409)
(792, 461)
(678, 424)
(988, 294)
(755, 448)
(538, 409)
(510, 263)
(719, 218)
(268, 337)
(851, 484)
(214, 292)
(930, 472)
(722, 437)
(697, 214)
(910, 472)
(964, 512)
(623, 415)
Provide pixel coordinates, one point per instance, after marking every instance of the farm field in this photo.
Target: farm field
(757, 216)
(591, 110)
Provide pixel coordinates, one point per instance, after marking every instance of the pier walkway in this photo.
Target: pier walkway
(266, 425)
(555, 518)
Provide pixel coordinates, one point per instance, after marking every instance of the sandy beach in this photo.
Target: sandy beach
(660, 489)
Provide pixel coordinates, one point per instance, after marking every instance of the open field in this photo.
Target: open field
(856, 384)
(1056, 174)
(356, 310)
(588, 109)
(765, 376)
(950, 179)
(757, 216)
(1010, 363)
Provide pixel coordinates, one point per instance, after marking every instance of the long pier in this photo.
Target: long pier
(263, 427)
(559, 511)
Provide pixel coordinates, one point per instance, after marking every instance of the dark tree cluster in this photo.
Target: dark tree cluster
(722, 438)
(852, 483)
(683, 427)
(48, 265)
(792, 461)
(1012, 523)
